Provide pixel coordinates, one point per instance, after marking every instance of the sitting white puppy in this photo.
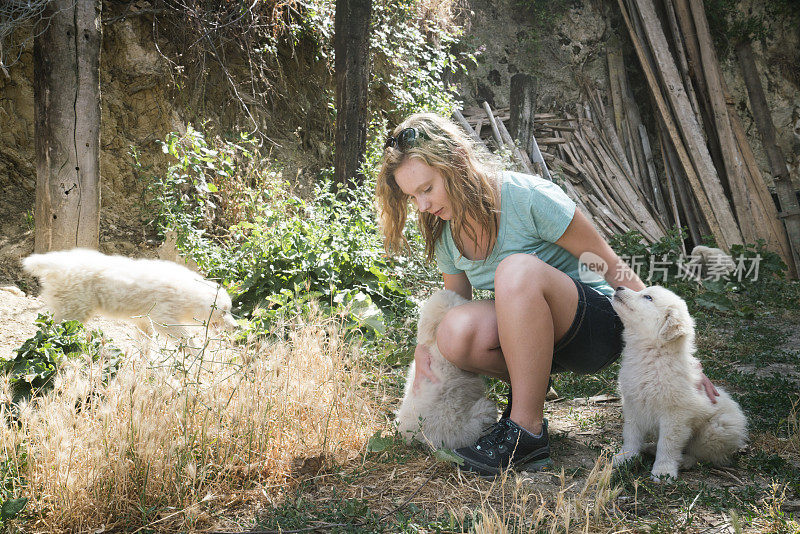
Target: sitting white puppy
(454, 411)
(79, 283)
(658, 381)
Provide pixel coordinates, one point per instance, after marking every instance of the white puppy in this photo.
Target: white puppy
(658, 380)
(713, 262)
(79, 283)
(454, 411)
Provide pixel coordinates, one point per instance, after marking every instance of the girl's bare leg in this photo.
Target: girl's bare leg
(534, 306)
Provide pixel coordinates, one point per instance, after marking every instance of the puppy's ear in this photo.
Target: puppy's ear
(674, 326)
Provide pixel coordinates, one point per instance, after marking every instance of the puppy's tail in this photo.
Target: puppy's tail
(39, 265)
(50, 265)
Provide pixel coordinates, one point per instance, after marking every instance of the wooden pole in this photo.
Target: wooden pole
(520, 154)
(691, 46)
(522, 107)
(495, 131)
(466, 127)
(708, 193)
(672, 170)
(67, 126)
(614, 60)
(351, 66)
(522, 120)
(651, 169)
(751, 228)
(680, 50)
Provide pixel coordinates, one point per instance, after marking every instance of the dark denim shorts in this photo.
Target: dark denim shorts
(594, 340)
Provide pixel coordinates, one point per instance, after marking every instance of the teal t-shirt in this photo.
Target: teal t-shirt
(534, 213)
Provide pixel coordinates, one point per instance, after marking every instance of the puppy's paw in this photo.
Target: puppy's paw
(664, 474)
(623, 457)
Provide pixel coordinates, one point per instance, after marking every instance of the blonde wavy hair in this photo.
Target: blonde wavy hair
(470, 180)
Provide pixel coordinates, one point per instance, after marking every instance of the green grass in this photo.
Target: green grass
(570, 385)
(343, 514)
(757, 343)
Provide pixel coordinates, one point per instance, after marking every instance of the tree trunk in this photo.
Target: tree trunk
(67, 126)
(351, 49)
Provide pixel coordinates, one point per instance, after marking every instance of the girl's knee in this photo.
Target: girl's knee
(519, 274)
(454, 336)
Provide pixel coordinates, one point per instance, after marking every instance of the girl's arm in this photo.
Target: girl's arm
(581, 237)
(458, 283)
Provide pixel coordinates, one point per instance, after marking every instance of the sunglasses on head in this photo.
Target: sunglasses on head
(406, 138)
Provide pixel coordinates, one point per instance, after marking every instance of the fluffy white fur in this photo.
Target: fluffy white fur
(658, 381)
(450, 413)
(712, 261)
(152, 294)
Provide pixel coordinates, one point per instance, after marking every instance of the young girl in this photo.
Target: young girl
(520, 236)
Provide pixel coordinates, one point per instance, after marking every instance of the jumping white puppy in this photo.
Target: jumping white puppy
(658, 381)
(452, 412)
(152, 294)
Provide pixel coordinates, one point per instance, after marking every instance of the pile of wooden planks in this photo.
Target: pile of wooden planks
(705, 177)
(705, 151)
(597, 176)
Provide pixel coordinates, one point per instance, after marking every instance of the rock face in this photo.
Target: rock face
(135, 105)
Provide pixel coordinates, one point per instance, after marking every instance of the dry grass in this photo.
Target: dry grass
(167, 439)
(592, 509)
(177, 442)
(793, 426)
(539, 502)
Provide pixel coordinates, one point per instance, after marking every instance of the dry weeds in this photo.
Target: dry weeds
(169, 436)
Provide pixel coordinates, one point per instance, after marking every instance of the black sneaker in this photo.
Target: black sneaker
(506, 444)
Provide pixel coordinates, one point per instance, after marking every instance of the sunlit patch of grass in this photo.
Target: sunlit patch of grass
(593, 508)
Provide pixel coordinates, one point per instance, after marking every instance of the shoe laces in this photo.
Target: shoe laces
(495, 436)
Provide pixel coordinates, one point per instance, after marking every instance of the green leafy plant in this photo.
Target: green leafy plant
(758, 276)
(282, 252)
(12, 484)
(729, 23)
(37, 360)
(414, 54)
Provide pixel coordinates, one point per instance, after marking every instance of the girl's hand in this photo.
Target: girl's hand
(422, 360)
(705, 384)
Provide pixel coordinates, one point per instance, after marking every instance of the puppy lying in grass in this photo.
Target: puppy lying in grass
(658, 380)
(712, 261)
(152, 294)
(452, 412)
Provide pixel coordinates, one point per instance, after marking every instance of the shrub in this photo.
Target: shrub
(37, 360)
(281, 251)
(759, 273)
